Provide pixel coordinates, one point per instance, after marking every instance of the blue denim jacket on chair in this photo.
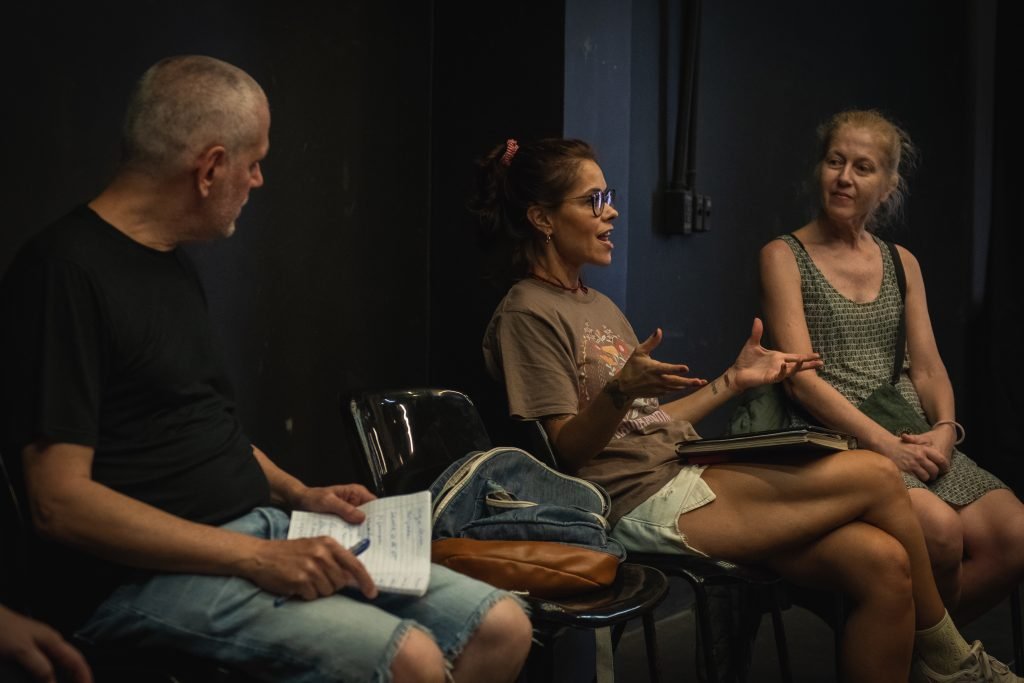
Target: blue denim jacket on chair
(507, 494)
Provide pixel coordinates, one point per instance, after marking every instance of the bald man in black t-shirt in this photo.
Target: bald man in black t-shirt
(163, 524)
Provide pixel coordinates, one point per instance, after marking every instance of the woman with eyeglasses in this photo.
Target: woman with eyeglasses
(569, 358)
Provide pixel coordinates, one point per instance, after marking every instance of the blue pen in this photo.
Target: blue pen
(360, 547)
(357, 550)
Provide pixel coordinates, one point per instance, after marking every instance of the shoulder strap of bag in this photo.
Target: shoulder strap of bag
(901, 334)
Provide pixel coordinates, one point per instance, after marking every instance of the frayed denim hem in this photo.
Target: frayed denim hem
(475, 620)
(383, 673)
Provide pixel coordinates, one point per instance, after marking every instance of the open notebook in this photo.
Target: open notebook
(398, 557)
(764, 445)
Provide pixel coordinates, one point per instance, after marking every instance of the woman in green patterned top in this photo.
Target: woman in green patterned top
(831, 286)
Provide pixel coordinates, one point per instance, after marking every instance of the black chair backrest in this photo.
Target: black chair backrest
(410, 436)
(536, 442)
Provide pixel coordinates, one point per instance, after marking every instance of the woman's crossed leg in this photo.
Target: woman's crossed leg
(841, 522)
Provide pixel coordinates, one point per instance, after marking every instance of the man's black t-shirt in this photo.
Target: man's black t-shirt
(107, 343)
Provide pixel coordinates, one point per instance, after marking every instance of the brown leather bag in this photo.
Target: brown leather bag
(504, 517)
(544, 569)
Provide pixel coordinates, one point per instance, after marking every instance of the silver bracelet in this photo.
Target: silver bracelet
(958, 428)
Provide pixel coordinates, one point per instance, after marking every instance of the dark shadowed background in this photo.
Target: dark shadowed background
(356, 265)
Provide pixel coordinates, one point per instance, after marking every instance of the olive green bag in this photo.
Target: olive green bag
(768, 408)
(888, 408)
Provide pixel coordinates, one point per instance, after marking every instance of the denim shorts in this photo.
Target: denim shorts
(653, 525)
(343, 637)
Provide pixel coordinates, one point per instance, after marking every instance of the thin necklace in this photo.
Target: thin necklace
(555, 283)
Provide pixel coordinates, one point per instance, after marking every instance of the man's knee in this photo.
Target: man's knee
(505, 629)
(418, 659)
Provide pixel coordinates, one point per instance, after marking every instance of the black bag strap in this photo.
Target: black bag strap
(901, 332)
(901, 282)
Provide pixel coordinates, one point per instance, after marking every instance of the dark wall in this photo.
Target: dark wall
(322, 288)
(598, 103)
(997, 401)
(497, 74)
(356, 265)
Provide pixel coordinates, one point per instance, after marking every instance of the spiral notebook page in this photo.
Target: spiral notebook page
(398, 527)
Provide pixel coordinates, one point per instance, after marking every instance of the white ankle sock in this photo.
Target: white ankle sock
(941, 646)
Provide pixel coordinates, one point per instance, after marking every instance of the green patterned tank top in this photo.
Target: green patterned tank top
(857, 341)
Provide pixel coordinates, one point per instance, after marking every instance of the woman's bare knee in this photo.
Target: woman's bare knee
(887, 564)
(993, 526)
(872, 565)
(418, 659)
(1010, 537)
(942, 528)
(875, 472)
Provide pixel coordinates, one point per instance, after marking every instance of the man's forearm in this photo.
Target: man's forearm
(71, 508)
(285, 490)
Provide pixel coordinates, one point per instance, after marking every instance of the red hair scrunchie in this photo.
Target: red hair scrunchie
(511, 147)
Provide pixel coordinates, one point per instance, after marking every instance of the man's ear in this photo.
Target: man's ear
(209, 164)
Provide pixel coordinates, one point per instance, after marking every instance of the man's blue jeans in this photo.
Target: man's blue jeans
(338, 638)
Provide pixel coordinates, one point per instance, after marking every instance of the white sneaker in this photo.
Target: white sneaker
(977, 667)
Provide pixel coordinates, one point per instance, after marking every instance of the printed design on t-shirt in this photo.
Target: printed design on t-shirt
(602, 355)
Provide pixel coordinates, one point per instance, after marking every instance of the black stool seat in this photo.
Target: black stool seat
(636, 590)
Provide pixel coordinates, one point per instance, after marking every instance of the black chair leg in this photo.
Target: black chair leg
(837, 632)
(651, 641)
(781, 647)
(1018, 640)
(617, 632)
(704, 634)
(540, 665)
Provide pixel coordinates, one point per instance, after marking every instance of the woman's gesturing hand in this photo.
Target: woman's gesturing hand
(644, 377)
(756, 365)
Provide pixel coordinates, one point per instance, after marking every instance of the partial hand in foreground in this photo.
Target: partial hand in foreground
(39, 649)
(755, 365)
(644, 377)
